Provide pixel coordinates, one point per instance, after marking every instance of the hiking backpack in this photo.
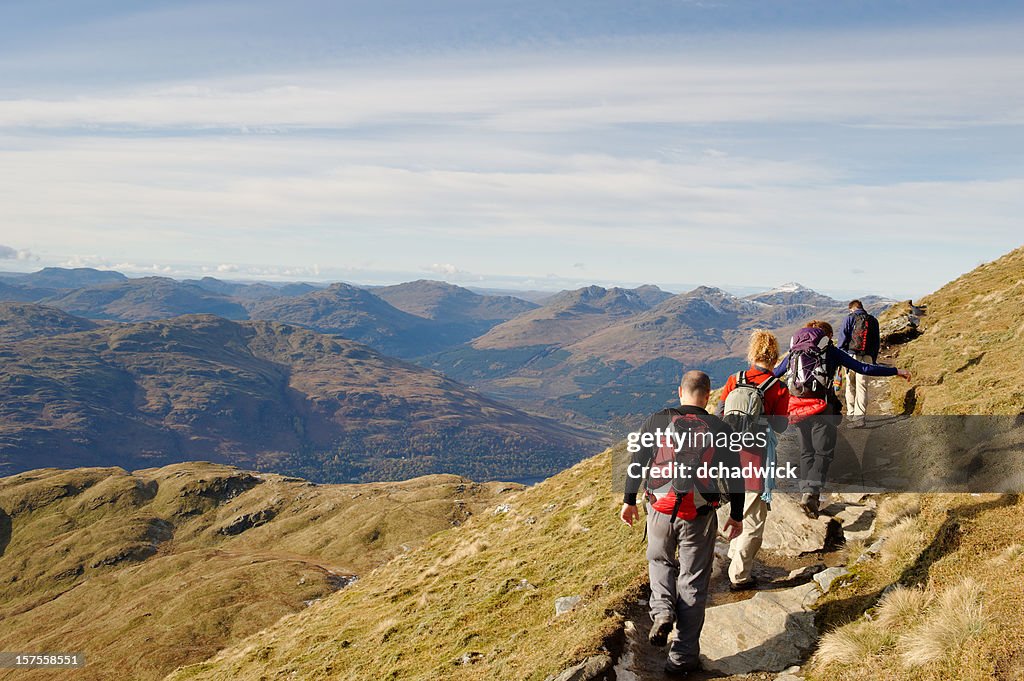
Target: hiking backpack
(744, 405)
(697, 449)
(860, 332)
(808, 374)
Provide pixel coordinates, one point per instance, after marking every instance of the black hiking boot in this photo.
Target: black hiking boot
(809, 504)
(682, 670)
(660, 629)
(743, 586)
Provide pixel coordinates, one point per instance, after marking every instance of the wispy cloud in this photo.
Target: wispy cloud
(531, 162)
(951, 87)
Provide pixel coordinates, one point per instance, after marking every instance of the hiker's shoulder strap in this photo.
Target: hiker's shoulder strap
(741, 378)
(767, 385)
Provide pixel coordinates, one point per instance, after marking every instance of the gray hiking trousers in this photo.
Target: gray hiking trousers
(679, 557)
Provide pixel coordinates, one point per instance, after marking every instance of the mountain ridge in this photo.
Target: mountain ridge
(259, 394)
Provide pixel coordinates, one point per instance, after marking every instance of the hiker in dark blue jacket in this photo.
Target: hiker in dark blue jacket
(858, 338)
(817, 415)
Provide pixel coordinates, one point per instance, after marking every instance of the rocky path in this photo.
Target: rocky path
(765, 634)
(759, 634)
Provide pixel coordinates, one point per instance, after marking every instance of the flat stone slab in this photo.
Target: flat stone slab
(789, 532)
(770, 632)
(790, 674)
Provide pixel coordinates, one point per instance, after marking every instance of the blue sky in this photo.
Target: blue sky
(848, 145)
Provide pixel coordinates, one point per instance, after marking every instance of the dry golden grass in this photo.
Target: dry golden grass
(464, 592)
(963, 624)
(853, 549)
(852, 644)
(1011, 554)
(968, 358)
(901, 607)
(134, 571)
(895, 508)
(956, 616)
(903, 541)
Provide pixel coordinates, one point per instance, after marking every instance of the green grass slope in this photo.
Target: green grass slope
(969, 357)
(149, 570)
(475, 602)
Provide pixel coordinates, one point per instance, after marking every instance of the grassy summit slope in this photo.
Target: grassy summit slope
(146, 571)
(966, 583)
(969, 357)
(475, 602)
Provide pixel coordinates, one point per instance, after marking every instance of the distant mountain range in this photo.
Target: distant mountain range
(408, 320)
(611, 355)
(265, 395)
(107, 378)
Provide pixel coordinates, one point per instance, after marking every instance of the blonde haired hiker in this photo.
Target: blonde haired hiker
(754, 400)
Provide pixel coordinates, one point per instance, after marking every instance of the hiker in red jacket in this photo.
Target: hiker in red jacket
(812, 363)
(768, 397)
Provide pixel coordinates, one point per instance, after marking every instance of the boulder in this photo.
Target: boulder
(803, 574)
(826, 578)
(769, 632)
(594, 668)
(565, 604)
(857, 520)
(789, 532)
(900, 329)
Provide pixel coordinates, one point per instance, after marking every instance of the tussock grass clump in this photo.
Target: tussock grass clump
(921, 629)
(1011, 554)
(896, 508)
(853, 549)
(901, 607)
(955, 617)
(853, 643)
(902, 541)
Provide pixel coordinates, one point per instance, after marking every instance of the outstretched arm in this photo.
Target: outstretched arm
(843, 359)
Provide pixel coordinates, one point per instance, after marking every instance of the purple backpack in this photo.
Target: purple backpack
(808, 375)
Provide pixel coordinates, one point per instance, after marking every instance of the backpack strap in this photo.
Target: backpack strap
(679, 502)
(767, 385)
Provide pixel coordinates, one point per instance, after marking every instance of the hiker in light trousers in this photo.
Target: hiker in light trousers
(761, 404)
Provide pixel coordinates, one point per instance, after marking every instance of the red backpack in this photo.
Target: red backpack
(674, 471)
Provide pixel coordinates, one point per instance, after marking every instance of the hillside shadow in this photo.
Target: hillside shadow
(946, 540)
(5, 531)
(970, 363)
